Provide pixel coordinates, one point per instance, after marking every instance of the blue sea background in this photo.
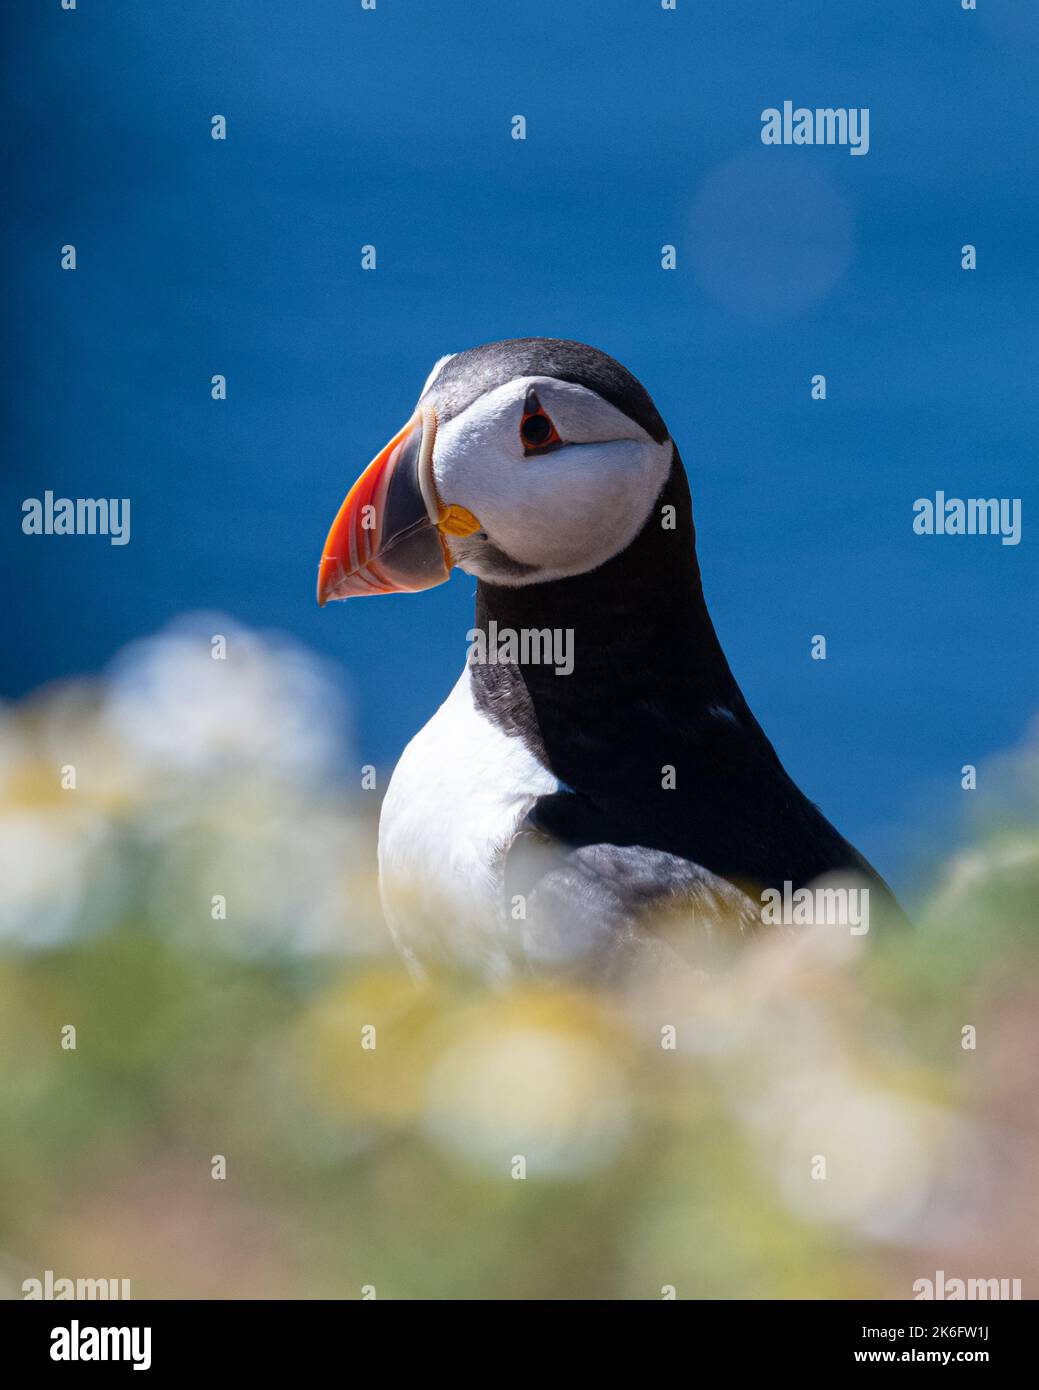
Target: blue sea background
(346, 127)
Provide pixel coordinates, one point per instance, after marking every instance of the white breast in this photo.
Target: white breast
(459, 791)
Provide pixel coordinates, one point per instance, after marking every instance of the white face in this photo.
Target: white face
(545, 515)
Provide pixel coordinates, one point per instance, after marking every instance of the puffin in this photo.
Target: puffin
(617, 810)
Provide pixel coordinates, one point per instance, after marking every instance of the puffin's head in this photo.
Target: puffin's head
(526, 460)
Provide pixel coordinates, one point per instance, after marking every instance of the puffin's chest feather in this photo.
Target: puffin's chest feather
(456, 797)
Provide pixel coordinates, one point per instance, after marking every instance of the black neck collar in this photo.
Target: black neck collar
(647, 661)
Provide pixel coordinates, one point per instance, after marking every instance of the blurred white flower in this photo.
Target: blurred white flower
(881, 1149)
(556, 1098)
(194, 778)
(267, 703)
(47, 861)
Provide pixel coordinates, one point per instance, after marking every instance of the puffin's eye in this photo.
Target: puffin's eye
(537, 432)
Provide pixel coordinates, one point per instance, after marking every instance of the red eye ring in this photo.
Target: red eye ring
(537, 432)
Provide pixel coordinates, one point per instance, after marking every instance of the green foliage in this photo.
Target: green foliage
(392, 1166)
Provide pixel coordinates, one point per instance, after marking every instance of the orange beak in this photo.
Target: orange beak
(389, 534)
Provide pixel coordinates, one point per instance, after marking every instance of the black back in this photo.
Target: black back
(651, 689)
